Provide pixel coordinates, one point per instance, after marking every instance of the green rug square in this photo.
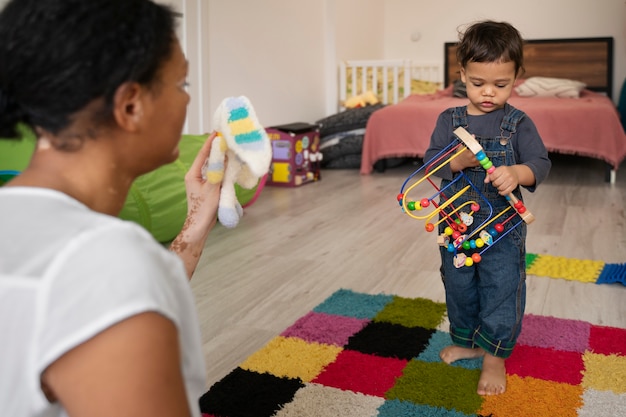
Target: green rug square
(438, 385)
(412, 312)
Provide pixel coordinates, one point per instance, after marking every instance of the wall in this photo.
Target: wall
(437, 22)
(272, 51)
(283, 54)
(359, 29)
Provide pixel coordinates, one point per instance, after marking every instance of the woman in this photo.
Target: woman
(96, 317)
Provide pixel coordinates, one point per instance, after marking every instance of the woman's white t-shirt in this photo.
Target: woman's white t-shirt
(66, 274)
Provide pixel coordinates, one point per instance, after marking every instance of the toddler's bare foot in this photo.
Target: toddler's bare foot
(493, 376)
(453, 353)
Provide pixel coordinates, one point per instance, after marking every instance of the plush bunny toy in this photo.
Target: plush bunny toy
(244, 141)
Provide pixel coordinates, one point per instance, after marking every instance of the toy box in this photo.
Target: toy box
(296, 156)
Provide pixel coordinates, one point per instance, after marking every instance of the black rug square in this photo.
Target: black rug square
(390, 340)
(248, 394)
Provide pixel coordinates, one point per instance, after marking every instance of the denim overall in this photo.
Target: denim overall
(486, 301)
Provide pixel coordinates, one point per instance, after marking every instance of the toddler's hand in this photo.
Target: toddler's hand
(465, 160)
(504, 178)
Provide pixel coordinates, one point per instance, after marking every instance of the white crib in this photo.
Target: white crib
(390, 80)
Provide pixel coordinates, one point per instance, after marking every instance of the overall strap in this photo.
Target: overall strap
(459, 117)
(511, 119)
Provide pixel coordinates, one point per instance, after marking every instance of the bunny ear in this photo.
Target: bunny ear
(236, 120)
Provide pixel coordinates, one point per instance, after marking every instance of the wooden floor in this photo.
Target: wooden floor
(296, 246)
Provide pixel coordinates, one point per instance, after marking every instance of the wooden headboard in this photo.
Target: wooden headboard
(589, 60)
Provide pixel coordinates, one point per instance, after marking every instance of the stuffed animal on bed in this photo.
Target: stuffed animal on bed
(245, 143)
(361, 100)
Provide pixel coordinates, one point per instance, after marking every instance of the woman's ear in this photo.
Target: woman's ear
(128, 106)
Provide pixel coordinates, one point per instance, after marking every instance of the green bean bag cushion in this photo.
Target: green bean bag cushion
(157, 200)
(15, 154)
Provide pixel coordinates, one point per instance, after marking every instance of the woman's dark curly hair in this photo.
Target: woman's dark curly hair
(58, 56)
(490, 41)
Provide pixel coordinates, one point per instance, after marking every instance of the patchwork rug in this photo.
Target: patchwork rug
(360, 355)
(583, 270)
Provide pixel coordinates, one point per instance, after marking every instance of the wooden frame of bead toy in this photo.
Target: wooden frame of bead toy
(489, 232)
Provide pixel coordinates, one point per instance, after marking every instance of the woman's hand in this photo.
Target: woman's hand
(202, 203)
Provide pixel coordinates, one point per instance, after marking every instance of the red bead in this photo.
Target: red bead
(462, 228)
(499, 227)
(475, 207)
(518, 205)
(425, 202)
(455, 235)
(521, 210)
(400, 196)
(476, 257)
(430, 227)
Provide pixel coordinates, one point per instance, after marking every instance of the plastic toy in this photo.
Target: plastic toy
(458, 219)
(245, 143)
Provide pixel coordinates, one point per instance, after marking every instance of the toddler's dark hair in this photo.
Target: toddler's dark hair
(490, 41)
(58, 56)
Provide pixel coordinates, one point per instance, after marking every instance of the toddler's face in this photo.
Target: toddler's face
(489, 85)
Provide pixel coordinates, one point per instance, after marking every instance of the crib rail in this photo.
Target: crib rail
(390, 80)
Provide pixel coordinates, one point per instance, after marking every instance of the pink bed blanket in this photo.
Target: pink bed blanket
(586, 126)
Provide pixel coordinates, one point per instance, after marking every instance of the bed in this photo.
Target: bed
(586, 126)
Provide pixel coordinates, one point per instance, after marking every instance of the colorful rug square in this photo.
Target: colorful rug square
(291, 357)
(601, 403)
(438, 385)
(534, 397)
(547, 364)
(390, 340)
(397, 408)
(360, 372)
(438, 341)
(353, 304)
(365, 355)
(325, 328)
(571, 335)
(608, 340)
(315, 400)
(605, 372)
(248, 394)
(407, 312)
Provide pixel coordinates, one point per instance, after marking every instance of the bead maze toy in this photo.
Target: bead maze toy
(455, 237)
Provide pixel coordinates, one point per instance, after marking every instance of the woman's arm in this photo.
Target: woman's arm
(130, 369)
(202, 202)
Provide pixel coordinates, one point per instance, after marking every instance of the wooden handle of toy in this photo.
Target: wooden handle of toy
(473, 145)
(527, 216)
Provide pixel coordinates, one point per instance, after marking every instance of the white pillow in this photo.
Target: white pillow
(550, 87)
